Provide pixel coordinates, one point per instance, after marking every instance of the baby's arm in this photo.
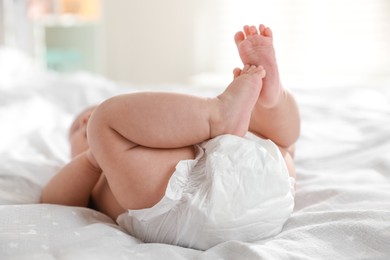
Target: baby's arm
(73, 184)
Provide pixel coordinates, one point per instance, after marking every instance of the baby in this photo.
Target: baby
(127, 152)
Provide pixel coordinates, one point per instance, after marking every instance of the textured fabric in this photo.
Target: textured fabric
(342, 199)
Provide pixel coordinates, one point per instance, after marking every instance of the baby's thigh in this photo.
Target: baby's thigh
(138, 177)
(104, 201)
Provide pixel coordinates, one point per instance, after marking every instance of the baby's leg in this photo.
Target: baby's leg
(168, 120)
(138, 139)
(73, 184)
(256, 48)
(275, 115)
(102, 199)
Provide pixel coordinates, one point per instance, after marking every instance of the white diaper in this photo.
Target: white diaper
(235, 189)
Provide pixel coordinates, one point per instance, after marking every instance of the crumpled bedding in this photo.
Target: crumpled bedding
(342, 200)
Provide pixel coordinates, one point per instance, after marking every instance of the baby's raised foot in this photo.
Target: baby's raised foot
(235, 104)
(255, 47)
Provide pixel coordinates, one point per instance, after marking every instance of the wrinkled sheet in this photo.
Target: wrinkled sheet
(342, 203)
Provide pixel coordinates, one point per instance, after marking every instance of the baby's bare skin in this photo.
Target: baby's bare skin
(255, 47)
(275, 115)
(127, 132)
(111, 165)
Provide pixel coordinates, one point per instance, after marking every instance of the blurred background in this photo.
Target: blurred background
(146, 42)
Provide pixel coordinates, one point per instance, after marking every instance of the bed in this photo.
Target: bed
(342, 203)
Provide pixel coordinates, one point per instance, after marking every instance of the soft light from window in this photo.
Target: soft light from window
(319, 41)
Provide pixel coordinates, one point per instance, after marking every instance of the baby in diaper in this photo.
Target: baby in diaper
(235, 189)
(188, 170)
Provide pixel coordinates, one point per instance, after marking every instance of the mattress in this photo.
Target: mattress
(342, 201)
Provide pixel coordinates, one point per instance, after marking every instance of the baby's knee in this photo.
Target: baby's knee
(104, 139)
(98, 126)
(101, 118)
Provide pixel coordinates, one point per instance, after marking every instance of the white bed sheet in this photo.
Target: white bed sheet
(343, 164)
